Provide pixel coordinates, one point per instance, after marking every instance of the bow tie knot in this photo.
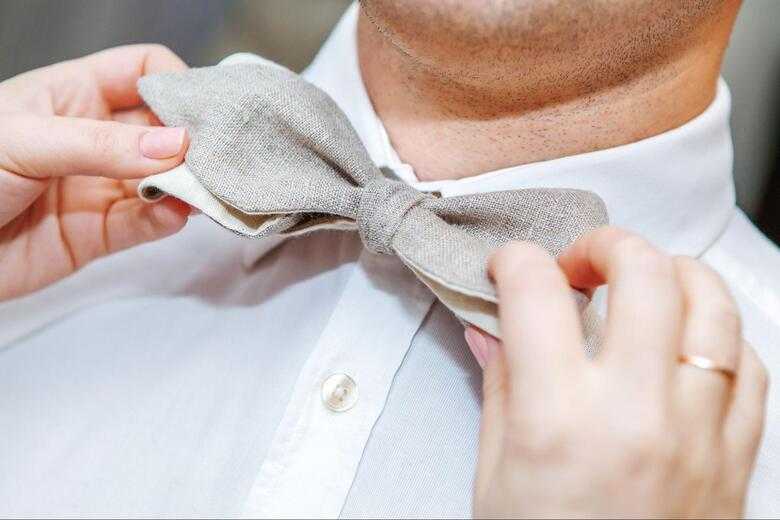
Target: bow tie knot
(382, 206)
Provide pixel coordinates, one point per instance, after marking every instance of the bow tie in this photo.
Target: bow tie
(272, 154)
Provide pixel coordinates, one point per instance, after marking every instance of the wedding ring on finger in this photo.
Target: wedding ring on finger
(704, 363)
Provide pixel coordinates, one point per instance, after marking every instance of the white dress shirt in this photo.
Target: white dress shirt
(209, 375)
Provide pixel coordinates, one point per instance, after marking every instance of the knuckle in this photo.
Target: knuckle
(685, 263)
(651, 445)
(725, 314)
(650, 450)
(631, 246)
(104, 140)
(635, 253)
(608, 234)
(709, 297)
(538, 432)
(706, 275)
(704, 278)
(535, 443)
(716, 327)
(162, 54)
(157, 48)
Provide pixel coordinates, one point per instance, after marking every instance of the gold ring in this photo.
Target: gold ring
(707, 364)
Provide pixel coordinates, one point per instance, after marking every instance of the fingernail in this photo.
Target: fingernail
(477, 344)
(163, 143)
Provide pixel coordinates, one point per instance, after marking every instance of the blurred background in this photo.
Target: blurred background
(38, 32)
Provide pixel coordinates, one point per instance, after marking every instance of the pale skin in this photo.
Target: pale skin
(629, 433)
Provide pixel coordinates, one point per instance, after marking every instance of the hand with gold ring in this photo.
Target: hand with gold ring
(664, 422)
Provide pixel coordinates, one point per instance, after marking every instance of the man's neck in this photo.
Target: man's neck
(446, 130)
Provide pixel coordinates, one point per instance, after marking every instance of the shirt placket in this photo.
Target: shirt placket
(340, 393)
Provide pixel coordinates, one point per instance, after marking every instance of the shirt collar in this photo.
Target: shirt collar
(675, 189)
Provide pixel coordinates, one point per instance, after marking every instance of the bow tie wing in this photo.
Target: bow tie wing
(447, 242)
(274, 150)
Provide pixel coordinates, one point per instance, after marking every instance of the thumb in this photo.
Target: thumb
(487, 350)
(43, 147)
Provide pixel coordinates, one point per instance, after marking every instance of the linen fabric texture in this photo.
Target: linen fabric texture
(271, 154)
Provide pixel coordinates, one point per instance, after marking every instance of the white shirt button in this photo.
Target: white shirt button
(339, 392)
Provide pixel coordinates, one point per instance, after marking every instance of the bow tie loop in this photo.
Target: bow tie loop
(382, 207)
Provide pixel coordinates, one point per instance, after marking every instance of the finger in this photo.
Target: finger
(131, 222)
(113, 72)
(538, 318)
(142, 116)
(494, 388)
(116, 71)
(477, 345)
(108, 216)
(711, 331)
(644, 314)
(17, 193)
(41, 147)
(745, 418)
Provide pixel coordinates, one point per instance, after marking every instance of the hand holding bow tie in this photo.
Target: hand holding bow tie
(664, 422)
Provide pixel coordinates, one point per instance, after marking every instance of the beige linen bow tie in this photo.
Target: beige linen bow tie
(273, 154)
